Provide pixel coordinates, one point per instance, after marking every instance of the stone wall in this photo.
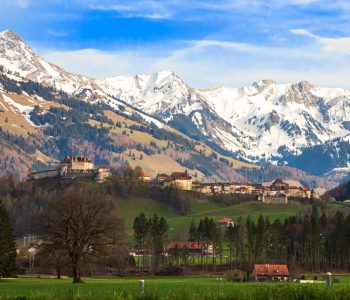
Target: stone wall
(44, 174)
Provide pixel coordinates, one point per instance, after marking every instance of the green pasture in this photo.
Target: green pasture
(185, 287)
(179, 224)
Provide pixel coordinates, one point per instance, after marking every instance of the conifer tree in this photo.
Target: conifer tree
(192, 233)
(7, 245)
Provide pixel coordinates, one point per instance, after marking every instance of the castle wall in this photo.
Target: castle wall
(275, 199)
(44, 174)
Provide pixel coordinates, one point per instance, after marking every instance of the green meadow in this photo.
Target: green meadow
(128, 209)
(185, 287)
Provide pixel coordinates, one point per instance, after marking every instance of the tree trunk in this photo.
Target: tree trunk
(76, 273)
(58, 272)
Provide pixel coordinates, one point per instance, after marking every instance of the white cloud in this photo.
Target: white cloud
(206, 63)
(139, 9)
(341, 45)
(56, 33)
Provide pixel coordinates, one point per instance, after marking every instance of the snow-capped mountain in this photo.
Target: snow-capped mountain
(266, 121)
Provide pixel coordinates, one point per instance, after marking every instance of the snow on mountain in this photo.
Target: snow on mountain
(265, 121)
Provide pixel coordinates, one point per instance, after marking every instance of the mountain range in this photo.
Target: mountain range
(289, 126)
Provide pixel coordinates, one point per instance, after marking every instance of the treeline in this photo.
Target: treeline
(18, 141)
(29, 87)
(339, 193)
(162, 134)
(150, 235)
(314, 242)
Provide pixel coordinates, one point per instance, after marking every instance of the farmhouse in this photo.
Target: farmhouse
(189, 248)
(263, 272)
(226, 222)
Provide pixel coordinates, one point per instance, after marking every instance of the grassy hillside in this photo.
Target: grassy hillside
(179, 224)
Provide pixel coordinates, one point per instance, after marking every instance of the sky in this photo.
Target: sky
(208, 43)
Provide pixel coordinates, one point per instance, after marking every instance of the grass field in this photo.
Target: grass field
(179, 224)
(186, 287)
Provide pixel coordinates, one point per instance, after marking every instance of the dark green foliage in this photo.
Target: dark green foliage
(185, 125)
(141, 227)
(7, 245)
(192, 232)
(199, 162)
(151, 235)
(30, 87)
(339, 193)
(313, 243)
(162, 134)
(18, 141)
(231, 199)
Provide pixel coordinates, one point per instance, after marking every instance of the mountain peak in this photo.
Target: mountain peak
(10, 35)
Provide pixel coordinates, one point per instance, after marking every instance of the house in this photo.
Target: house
(226, 222)
(162, 177)
(103, 172)
(144, 176)
(263, 272)
(180, 180)
(189, 248)
(203, 188)
(279, 185)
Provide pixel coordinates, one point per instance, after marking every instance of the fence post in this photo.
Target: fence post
(142, 286)
(329, 279)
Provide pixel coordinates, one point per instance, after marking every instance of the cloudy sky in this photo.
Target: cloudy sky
(207, 42)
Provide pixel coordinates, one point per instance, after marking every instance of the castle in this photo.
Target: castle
(72, 167)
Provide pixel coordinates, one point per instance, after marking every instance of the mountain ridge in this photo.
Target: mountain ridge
(259, 123)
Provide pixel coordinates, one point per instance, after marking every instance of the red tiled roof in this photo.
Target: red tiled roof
(225, 220)
(144, 174)
(270, 270)
(187, 245)
(76, 159)
(279, 181)
(180, 175)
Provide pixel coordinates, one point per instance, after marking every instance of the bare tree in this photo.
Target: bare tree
(82, 225)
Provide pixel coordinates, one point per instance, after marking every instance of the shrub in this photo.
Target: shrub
(234, 276)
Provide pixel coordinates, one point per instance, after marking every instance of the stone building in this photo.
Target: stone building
(76, 164)
(180, 180)
(72, 167)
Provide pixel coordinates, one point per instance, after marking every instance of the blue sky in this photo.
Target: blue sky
(208, 43)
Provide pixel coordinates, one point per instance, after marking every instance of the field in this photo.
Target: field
(187, 287)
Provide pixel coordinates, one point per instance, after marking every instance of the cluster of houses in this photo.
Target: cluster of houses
(72, 167)
(276, 192)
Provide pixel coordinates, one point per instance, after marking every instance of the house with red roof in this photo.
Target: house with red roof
(226, 222)
(189, 248)
(270, 272)
(144, 176)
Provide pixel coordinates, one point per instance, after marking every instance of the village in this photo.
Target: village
(276, 192)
